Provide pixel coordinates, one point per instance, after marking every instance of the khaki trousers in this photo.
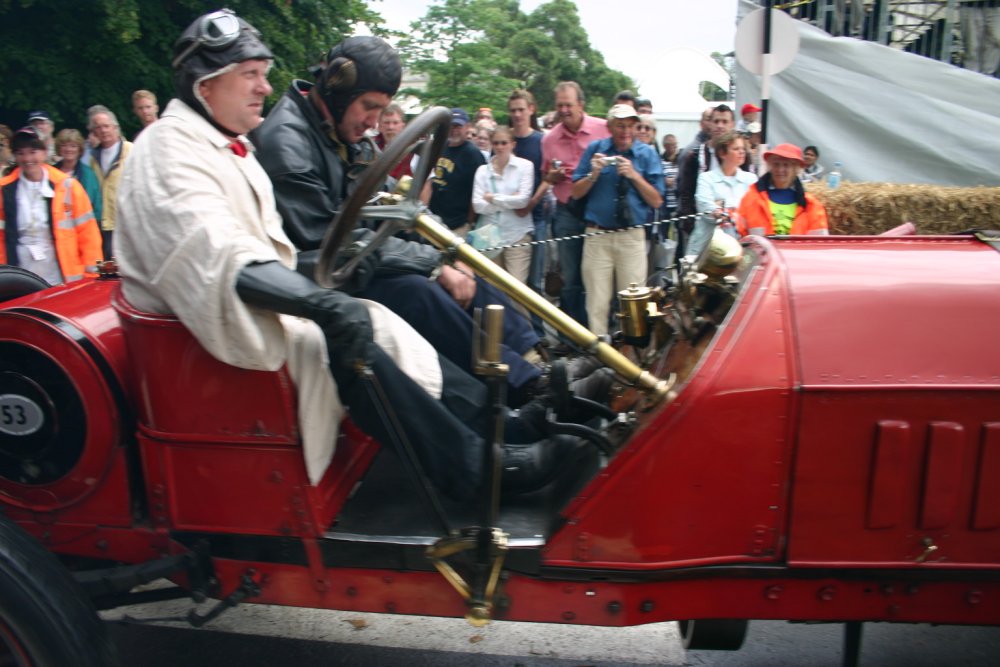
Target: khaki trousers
(611, 261)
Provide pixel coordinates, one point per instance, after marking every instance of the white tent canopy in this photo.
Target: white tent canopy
(887, 115)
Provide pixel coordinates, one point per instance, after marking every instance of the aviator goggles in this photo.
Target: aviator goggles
(216, 31)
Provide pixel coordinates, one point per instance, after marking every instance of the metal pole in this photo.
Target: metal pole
(765, 73)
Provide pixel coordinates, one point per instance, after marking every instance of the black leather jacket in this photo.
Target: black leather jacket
(308, 168)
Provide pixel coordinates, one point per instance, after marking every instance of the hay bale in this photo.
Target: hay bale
(872, 208)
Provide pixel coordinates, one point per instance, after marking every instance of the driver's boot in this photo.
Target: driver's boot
(527, 468)
(596, 386)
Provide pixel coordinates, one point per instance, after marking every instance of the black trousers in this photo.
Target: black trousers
(445, 434)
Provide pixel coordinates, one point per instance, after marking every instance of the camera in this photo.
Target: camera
(557, 164)
(609, 161)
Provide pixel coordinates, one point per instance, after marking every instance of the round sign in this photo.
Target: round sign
(19, 415)
(750, 41)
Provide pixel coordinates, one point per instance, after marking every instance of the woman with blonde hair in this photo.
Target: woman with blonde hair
(720, 190)
(501, 186)
(70, 148)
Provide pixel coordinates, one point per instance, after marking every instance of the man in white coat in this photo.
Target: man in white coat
(200, 237)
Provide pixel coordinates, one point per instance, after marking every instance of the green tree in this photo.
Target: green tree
(476, 51)
(66, 56)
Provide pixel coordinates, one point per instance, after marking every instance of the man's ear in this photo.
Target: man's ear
(340, 76)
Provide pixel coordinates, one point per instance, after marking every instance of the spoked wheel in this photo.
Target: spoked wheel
(402, 215)
(46, 619)
(713, 634)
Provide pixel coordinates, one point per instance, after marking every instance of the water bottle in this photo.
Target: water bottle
(833, 179)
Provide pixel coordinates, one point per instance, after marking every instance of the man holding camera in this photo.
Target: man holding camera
(622, 180)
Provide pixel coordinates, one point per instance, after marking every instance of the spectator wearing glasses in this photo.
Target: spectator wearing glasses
(645, 130)
(107, 161)
(777, 203)
(643, 106)
(502, 186)
(47, 225)
(622, 180)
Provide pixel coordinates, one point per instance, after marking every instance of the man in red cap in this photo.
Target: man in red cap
(748, 115)
(777, 203)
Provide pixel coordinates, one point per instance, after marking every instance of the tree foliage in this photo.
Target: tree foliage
(476, 51)
(66, 56)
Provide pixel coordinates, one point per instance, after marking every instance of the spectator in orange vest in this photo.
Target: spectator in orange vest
(777, 203)
(47, 225)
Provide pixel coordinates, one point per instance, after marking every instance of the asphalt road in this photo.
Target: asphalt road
(265, 636)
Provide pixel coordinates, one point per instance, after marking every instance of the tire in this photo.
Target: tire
(713, 634)
(46, 619)
(15, 282)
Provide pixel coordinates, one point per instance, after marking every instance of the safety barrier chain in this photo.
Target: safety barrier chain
(598, 232)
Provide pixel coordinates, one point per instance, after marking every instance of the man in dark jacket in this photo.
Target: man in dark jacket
(313, 144)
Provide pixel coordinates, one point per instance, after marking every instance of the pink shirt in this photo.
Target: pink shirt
(561, 144)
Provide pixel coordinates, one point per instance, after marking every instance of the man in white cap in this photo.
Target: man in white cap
(622, 180)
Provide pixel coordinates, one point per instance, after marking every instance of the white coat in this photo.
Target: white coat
(191, 215)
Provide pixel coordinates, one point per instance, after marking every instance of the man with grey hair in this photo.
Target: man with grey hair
(107, 161)
(561, 151)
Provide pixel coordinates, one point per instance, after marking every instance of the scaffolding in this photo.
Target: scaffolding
(928, 28)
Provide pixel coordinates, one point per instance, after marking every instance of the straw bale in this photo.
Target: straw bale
(872, 208)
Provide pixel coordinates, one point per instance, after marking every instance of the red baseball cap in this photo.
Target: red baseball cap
(748, 108)
(789, 151)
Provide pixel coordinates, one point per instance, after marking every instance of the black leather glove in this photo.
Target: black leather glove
(365, 270)
(344, 319)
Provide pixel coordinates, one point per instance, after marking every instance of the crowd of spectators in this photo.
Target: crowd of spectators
(562, 174)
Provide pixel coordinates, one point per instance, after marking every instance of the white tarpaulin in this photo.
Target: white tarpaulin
(887, 115)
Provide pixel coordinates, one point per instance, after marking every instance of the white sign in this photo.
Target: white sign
(750, 42)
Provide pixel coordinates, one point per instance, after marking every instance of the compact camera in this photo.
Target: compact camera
(609, 161)
(557, 164)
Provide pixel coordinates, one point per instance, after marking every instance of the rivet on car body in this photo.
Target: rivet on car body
(646, 606)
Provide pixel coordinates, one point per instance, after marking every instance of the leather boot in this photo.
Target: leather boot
(527, 468)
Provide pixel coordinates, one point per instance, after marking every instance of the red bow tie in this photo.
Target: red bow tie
(238, 148)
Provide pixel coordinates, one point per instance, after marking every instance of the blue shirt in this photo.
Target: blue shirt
(601, 200)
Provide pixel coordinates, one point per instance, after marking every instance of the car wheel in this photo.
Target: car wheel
(46, 619)
(713, 634)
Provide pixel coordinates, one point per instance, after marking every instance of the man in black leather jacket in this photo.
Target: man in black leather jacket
(314, 143)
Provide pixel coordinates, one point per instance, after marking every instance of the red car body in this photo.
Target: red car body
(832, 453)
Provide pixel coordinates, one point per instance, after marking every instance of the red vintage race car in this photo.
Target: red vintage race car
(808, 429)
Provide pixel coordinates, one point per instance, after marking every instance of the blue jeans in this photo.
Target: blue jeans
(571, 299)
